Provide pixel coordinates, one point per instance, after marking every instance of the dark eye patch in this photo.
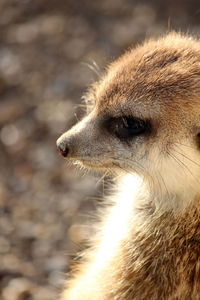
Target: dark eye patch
(128, 127)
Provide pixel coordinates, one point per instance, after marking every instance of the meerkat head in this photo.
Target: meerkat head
(145, 117)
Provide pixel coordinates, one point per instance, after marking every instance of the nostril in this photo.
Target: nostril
(63, 150)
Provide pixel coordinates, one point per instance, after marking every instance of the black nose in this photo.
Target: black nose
(64, 150)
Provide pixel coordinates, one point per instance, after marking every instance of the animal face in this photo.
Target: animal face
(145, 116)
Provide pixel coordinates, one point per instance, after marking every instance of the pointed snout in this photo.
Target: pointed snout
(74, 142)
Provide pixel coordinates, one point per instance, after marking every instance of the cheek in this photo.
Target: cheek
(177, 172)
(133, 156)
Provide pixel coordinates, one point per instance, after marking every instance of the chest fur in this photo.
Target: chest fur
(160, 261)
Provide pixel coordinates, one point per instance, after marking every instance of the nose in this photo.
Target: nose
(63, 148)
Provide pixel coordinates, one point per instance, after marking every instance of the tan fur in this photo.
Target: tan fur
(148, 242)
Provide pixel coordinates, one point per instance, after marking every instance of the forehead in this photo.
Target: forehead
(156, 74)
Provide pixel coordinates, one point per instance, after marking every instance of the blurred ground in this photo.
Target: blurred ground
(45, 46)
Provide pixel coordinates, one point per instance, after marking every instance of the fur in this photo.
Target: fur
(148, 240)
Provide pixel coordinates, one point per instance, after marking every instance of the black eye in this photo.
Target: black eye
(128, 127)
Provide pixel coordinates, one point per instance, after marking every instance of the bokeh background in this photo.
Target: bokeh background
(47, 51)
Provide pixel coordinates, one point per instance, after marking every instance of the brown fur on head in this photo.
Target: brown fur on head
(146, 118)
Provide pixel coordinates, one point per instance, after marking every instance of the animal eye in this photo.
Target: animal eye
(128, 127)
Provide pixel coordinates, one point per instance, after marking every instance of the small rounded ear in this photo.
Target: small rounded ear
(198, 139)
(196, 131)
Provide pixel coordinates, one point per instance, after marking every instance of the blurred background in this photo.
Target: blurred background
(47, 50)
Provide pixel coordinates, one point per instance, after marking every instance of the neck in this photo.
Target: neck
(174, 185)
(135, 232)
(164, 195)
(137, 208)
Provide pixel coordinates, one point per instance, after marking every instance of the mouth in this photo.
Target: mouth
(90, 164)
(93, 164)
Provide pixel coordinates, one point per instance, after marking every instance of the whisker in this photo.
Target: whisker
(93, 68)
(102, 178)
(164, 183)
(75, 115)
(178, 161)
(96, 66)
(183, 164)
(184, 145)
(188, 158)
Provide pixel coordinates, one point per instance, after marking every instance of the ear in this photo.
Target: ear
(198, 138)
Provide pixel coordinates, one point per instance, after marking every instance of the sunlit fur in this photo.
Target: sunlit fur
(147, 244)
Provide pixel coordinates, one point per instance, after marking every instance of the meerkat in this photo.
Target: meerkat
(143, 125)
